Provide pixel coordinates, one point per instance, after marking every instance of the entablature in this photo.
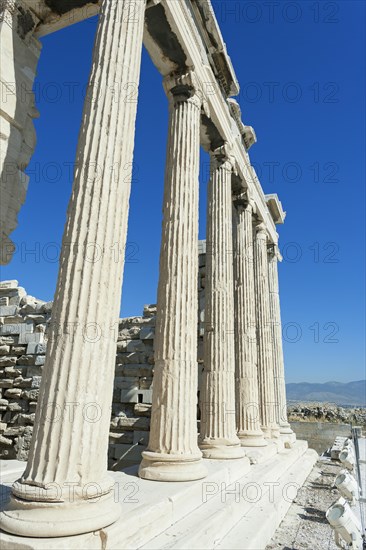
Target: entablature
(55, 15)
(182, 35)
(247, 132)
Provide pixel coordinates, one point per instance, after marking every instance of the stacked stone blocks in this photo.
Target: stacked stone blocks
(23, 321)
(24, 326)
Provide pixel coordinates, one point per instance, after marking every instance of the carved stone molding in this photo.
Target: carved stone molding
(184, 85)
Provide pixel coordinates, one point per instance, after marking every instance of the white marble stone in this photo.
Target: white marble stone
(267, 397)
(277, 350)
(68, 446)
(218, 437)
(173, 453)
(70, 437)
(247, 395)
(206, 51)
(233, 503)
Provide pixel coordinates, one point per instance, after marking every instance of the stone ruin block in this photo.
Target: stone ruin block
(144, 396)
(126, 382)
(147, 333)
(23, 349)
(129, 396)
(6, 311)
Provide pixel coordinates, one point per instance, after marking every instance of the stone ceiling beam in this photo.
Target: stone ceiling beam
(55, 15)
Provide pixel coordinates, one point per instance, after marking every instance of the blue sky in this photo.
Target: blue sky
(300, 66)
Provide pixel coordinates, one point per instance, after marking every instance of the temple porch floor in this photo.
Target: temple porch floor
(237, 505)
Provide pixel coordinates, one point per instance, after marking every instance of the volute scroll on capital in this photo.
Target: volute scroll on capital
(274, 252)
(183, 86)
(244, 201)
(261, 229)
(223, 158)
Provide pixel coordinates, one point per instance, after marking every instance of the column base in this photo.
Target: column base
(285, 429)
(221, 449)
(271, 432)
(275, 431)
(267, 432)
(252, 439)
(167, 467)
(288, 437)
(59, 519)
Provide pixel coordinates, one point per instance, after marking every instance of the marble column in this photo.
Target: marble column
(264, 335)
(277, 350)
(218, 437)
(173, 453)
(65, 489)
(247, 397)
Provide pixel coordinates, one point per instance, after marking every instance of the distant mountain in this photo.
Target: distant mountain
(352, 393)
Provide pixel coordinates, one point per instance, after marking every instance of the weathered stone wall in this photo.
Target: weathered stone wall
(132, 396)
(20, 52)
(24, 322)
(22, 353)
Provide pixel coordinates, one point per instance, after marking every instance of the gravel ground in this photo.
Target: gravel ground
(305, 525)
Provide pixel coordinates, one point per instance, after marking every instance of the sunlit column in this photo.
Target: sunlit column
(264, 335)
(277, 350)
(218, 437)
(247, 397)
(173, 453)
(67, 465)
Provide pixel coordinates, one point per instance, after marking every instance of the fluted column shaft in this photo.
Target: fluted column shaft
(264, 335)
(173, 453)
(68, 456)
(247, 397)
(277, 350)
(218, 437)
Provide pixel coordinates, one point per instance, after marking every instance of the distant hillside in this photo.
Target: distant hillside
(352, 393)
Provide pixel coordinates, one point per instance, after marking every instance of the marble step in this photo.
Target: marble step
(161, 505)
(256, 529)
(147, 508)
(160, 515)
(11, 470)
(208, 524)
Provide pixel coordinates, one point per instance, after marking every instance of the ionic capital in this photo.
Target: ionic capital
(261, 230)
(184, 86)
(274, 252)
(244, 201)
(222, 157)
